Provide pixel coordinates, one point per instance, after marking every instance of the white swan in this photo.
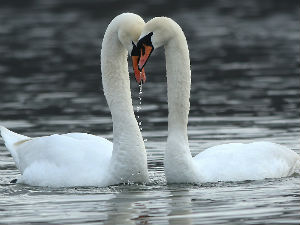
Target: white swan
(79, 159)
(227, 162)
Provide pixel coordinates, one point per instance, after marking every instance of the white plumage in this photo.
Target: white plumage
(252, 161)
(74, 159)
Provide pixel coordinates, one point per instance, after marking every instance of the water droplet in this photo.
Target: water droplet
(139, 107)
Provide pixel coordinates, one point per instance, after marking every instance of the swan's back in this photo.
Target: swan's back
(63, 149)
(253, 161)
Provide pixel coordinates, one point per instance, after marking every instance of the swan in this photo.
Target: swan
(80, 159)
(226, 162)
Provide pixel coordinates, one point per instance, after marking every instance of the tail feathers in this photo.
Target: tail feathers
(11, 140)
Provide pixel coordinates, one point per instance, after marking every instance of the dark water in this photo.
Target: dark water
(245, 87)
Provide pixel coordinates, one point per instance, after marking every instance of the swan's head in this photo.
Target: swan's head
(129, 30)
(156, 33)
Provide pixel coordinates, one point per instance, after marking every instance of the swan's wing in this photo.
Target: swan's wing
(63, 150)
(253, 161)
(63, 160)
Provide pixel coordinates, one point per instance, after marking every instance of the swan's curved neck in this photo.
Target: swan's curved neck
(129, 153)
(179, 83)
(178, 158)
(115, 77)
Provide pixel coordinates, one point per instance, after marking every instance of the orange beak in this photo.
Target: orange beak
(140, 76)
(146, 51)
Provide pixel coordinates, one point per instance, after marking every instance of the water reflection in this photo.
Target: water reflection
(125, 208)
(181, 207)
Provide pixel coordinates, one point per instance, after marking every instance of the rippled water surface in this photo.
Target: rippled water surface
(245, 87)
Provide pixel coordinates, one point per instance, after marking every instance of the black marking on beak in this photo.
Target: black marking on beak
(135, 51)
